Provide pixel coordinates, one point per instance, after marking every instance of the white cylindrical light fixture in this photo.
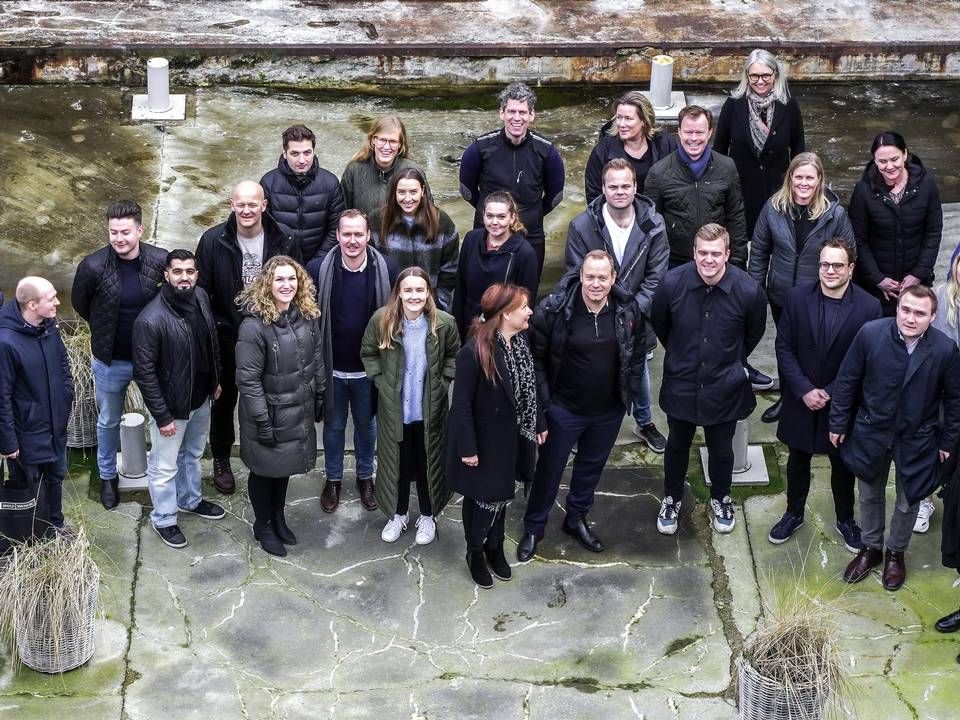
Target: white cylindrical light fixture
(133, 444)
(158, 85)
(741, 440)
(661, 81)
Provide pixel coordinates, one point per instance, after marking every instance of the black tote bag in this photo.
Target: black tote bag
(24, 513)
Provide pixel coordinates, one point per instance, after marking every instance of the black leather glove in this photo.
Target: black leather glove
(265, 435)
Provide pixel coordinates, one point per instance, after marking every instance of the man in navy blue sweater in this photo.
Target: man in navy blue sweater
(516, 160)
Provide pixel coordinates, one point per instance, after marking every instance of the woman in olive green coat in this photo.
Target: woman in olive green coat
(409, 350)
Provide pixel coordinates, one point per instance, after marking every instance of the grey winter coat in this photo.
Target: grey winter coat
(280, 378)
(775, 260)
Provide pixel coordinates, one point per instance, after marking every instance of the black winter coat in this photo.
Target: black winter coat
(707, 333)
(280, 377)
(896, 240)
(776, 262)
(36, 388)
(164, 357)
(310, 205)
(688, 204)
(220, 262)
(761, 174)
(550, 327)
(804, 364)
(609, 147)
(889, 403)
(477, 269)
(644, 259)
(482, 421)
(96, 292)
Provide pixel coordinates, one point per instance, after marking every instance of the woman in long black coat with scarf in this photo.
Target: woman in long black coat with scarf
(494, 426)
(761, 129)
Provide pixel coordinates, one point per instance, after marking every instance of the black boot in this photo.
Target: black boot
(268, 539)
(478, 569)
(498, 562)
(772, 413)
(109, 492)
(284, 533)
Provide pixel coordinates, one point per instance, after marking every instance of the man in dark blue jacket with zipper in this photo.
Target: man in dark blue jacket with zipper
(36, 391)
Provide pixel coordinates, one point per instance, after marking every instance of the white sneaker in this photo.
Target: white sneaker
(667, 519)
(426, 529)
(395, 525)
(922, 523)
(723, 519)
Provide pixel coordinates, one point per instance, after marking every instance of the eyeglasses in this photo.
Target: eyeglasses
(384, 142)
(760, 77)
(836, 267)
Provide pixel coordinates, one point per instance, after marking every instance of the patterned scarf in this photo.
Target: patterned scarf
(519, 364)
(759, 130)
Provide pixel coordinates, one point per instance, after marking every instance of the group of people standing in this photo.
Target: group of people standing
(321, 299)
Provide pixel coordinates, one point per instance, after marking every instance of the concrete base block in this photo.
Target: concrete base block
(141, 110)
(755, 473)
(677, 103)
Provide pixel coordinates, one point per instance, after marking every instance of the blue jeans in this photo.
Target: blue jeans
(111, 383)
(641, 403)
(176, 458)
(357, 394)
(594, 436)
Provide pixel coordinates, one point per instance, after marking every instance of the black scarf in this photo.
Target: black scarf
(519, 364)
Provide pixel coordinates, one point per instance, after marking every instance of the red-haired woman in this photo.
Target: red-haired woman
(494, 425)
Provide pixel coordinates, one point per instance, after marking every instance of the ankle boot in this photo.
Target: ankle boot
(268, 539)
(478, 569)
(497, 562)
(109, 492)
(284, 533)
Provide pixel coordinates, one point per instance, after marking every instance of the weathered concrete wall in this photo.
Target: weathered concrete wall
(331, 44)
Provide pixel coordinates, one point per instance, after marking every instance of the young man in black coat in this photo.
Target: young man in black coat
(176, 366)
(588, 355)
(304, 196)
(36, 391)
(229, 258)
(817, 326)
(896, 398)
(709, 315)
(112, 285)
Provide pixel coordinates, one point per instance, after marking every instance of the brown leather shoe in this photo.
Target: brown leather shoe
(894, 570)
(330, 497)
(223, 479)
(365, 488)
(860, 566)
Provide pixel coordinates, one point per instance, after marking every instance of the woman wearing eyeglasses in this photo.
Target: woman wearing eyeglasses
(760, 128)
(367, 176)
(785, 251)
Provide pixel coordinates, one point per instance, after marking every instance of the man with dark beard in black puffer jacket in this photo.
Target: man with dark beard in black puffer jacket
(303, 195)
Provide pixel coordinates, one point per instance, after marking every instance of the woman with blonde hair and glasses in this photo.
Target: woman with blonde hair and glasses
(761, 129)
(367, 177)
(408, 351)
(785, 250)
(280, 379)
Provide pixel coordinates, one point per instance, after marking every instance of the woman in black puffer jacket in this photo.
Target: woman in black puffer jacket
(280, 378)
(897, 219)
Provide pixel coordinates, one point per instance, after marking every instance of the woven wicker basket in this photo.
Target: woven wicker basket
(761, 698)
(36, 645)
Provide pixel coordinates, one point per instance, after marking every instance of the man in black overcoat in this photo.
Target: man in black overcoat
(896, 397)
(819, 321)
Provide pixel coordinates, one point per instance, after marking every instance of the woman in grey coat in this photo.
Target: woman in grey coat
(280, 378)
(785, 250)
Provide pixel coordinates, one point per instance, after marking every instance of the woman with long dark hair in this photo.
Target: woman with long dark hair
(761, 129)
(409, 349)
(367, 177)
(497, 252)
(897, 219)
(280, 379)
(414, 231)
(494, 426)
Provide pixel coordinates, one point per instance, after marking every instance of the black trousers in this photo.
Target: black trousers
(413, 467)
(483, 528)
(842, 482)
(268, 495)
(222, 434)
(676, 458)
